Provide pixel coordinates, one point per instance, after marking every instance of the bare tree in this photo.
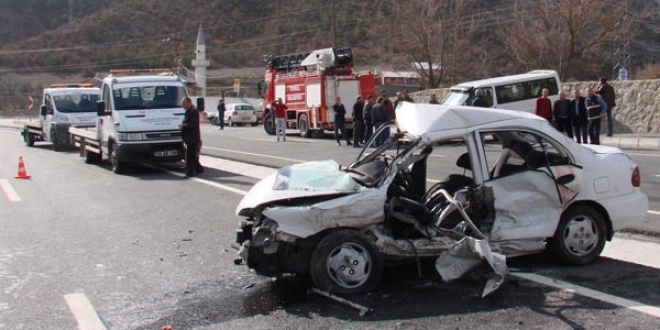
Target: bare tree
(570, 36)
(432, 35)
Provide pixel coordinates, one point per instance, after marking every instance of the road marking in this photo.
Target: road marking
(206, 182)
(653, 212)
(12, 195)
(255, 154)
(614, 300)
(83, 312)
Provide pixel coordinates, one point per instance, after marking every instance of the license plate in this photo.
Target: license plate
(166, 153)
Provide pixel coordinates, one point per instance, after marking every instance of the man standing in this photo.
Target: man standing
(561, 112)
(434, 99)
(191, 136)
(221, 113)
(340, 121)
(380, 119)
(389, 106)
(358, 122)
(606, 91)
(399, 99)
(406, 96)
(596, 109)
(543, 106)
(280, 122)
(368, 122)
(579, 117)
(479, 99)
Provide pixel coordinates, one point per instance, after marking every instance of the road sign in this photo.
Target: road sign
(30, 103)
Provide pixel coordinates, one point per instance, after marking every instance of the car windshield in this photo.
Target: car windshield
(243, 107)
(314, 176)
(76, 102)
(148, 97)
(457, 97)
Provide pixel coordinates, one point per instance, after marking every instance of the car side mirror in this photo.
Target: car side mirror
(100, 109)
(565, 179)
(44, 110)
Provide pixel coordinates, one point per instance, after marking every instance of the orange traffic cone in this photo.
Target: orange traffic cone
(21, 170)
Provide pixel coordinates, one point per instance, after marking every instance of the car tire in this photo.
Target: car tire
(580, 236)
(118, 167)
(269, 124)
(28, 138)
(255, 123)
(303, 126)
(346, 262)
(53, 140)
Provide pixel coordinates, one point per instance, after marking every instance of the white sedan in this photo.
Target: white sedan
(241, 113)
(519, 187)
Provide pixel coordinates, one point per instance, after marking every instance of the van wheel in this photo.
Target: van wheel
(56, 143)
(303, 126)
(89, 157)
(346, 262)
(118, 167)
(28, 138)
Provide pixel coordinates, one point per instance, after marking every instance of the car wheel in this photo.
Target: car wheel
(580, 236)
(346, 262)
(118, 167)
(255, 123)
(28, 138)
(303, 126)
(269, 124)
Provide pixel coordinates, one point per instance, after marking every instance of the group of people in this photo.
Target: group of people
(368, 115)
(580, 117)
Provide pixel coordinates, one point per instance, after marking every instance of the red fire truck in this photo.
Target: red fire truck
(309, 83)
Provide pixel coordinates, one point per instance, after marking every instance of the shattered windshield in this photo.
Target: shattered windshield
(315, 176)
(148, 97)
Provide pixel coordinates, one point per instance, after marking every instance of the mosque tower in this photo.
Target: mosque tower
(201, 63)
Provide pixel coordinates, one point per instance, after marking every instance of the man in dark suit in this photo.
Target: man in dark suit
(192, 137)
(579, 117)
(561, 111)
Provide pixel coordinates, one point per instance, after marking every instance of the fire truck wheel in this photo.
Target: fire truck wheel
(269, 124)
(303, 126)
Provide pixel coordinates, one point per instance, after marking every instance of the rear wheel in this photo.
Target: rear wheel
(53, 139)
(580, 236)
(346, 262)
(303, 126)
(269, 124)
(88, 156)
(28, 138)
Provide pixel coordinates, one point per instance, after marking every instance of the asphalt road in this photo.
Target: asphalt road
(81, 247)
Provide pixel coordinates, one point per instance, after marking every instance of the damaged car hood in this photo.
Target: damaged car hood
(310, 179)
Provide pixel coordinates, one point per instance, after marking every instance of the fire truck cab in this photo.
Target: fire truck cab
(309, 83)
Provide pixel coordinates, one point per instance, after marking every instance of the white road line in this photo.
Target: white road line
(83, 312)
(12, 195)
(653, 212)
(638, 154)
(614, 300)
(206, 182)
(255, 154)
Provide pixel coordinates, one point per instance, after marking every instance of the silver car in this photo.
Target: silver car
(518, 187)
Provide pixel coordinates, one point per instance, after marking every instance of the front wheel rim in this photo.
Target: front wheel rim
(580, 236)
(349, 265)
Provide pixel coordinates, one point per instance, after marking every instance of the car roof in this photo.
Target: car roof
(506, 79)
(420, 118)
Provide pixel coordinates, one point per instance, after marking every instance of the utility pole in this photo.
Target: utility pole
(334, 24)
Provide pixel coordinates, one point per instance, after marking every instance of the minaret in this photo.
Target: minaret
(200, 63)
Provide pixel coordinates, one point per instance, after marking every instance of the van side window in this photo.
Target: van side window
(512, 92)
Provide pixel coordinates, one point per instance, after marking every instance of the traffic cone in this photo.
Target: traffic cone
(21, 170)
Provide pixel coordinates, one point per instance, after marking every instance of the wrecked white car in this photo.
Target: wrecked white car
(518, 187)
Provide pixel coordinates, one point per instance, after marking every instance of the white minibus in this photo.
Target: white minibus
(517, 92)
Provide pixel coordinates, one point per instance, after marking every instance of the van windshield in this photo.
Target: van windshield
(76, 102)
(458, 97)
(148, 97)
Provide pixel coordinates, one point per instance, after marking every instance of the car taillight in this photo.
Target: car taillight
(635, 178)
(234, 113)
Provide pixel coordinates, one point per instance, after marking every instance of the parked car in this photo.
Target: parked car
(241, 113)
(519, 187)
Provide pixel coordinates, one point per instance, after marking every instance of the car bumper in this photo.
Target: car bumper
(150, 153)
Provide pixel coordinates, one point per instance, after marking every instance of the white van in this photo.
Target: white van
(517, 92)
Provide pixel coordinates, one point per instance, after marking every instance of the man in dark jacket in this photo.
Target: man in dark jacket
(380, 118)
(596, 110)
(358, 122)
(579, 117)
(368, 122)
(561, 111)
(606, 91)
(340, 122)
(479, 99)
(221, 113)
(191, 136)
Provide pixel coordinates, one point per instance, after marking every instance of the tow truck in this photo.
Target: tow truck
(308, 83)
(63, 106)
(138, 117)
